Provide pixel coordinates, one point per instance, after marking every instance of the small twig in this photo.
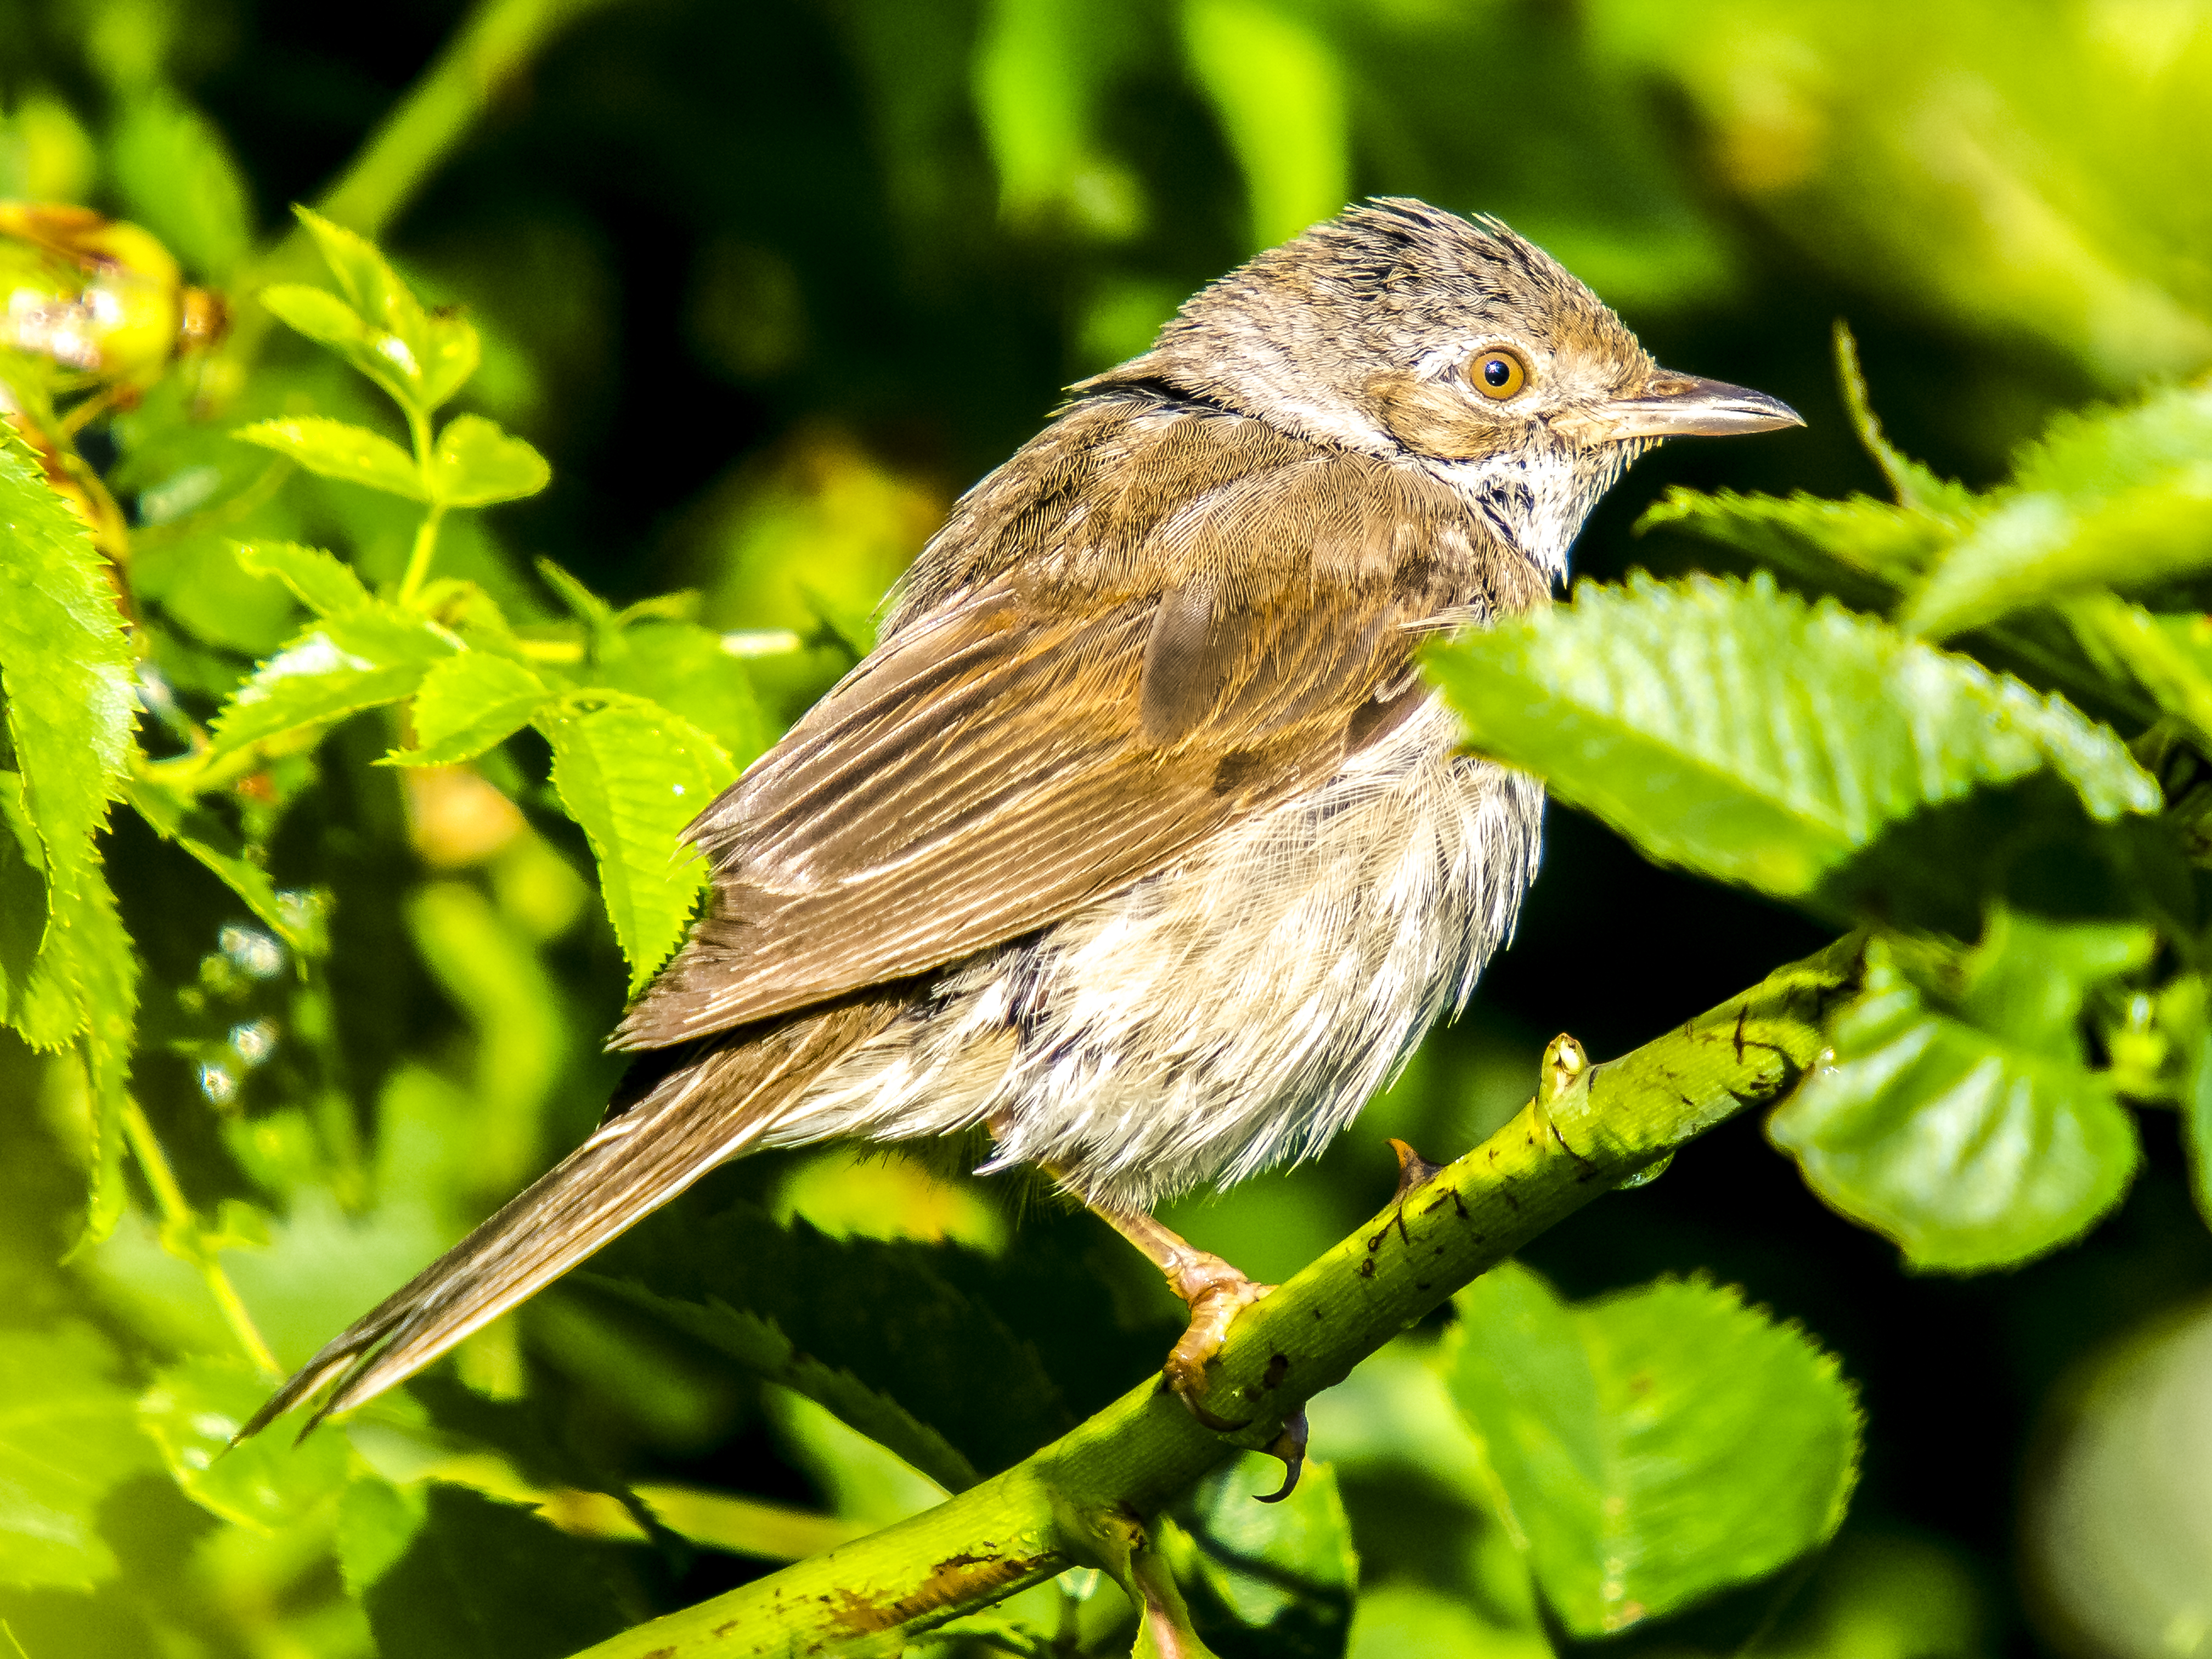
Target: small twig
(178, 1221)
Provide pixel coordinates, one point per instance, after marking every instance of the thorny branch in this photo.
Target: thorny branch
(1083, 1500)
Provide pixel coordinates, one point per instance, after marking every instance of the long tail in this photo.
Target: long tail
(710, 1104)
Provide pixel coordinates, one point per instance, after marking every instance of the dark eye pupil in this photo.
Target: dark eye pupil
(1497, 371)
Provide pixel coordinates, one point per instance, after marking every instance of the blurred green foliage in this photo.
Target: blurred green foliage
(323, 879)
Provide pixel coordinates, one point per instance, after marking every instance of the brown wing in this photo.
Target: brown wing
(1190, 619)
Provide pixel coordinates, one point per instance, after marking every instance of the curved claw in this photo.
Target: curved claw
(1291, 1446)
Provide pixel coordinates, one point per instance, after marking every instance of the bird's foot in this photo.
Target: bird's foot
(1216, 1293)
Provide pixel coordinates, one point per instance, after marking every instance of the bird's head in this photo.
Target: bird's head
(1403, 331)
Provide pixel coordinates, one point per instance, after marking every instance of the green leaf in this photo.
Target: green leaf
(67, 971)
(1732, 728)
(377, 1521)
(634, 776)
(352, 454)
(2170, 656)
(890, 1336)
(1884, 546)
(68, 1435)
(64, 665)
(478, 464)
(477, 1577)
(1978, 1137)
(685, 668)
(755, 1343)
(1652, 1447)
(1913, 484)
(2191, 997)
(266, 1484)
(467, 704)
(37, 997)
(322, 582)
(421, 358)
(1278, 91)
(346, 662)
(105, 972)
(1284, 1572)
(1402, 1617)
(2116, 498)
(177, 177)
(220, 850)
(2035, 546)
(321, 315)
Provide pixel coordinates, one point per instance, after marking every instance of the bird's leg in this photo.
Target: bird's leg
(1215, 1291)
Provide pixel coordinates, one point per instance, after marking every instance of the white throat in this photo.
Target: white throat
(1536, 501)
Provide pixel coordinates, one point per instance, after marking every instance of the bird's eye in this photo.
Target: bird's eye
(1498, 375)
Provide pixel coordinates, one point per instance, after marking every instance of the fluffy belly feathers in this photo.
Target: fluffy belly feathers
(1229, 1013)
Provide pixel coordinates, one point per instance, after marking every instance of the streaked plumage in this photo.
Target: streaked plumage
(1137, 838)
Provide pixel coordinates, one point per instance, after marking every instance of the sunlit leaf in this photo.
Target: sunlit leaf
(1651, 1447)
(1042, 70)
(1885, 544)
(105, 972)
(1978, 1137)
(38, 997)
(467, 704)
(177, 178)
(319, 581)
(2169, 656)
(1731, 727)
(633, 775)
(1284, 1572)
(191, 1412)
(476, 464)
(319, 314)
(67, 972)
(2035, 545)
(684, 668)
(64, 664)
(1278, 91)
(2114, 498)
(377, 1521)
(352, 454)
(1403, 1616)
(346, 662)
(68, 1435)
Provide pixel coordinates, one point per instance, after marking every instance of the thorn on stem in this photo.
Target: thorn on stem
(1414, 1171)
(1291, 1446)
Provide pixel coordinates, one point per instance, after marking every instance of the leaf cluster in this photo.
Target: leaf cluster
(2032, 875)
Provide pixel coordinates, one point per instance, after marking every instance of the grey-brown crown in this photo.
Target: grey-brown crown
(1360, 332)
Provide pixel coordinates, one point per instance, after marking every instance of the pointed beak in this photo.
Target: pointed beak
(1673, 405)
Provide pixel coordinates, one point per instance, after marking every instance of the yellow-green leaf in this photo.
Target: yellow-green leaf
(478, 464)
(336, 449)
(633, 775)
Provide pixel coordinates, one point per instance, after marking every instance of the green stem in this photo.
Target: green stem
(178, 1221)
(418, 559)
(485, 58)
(1591, 1128)
(483, 62)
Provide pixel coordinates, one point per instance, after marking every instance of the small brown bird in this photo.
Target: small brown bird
(1138, 839)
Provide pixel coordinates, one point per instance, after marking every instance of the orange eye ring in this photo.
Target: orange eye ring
(1498, 375)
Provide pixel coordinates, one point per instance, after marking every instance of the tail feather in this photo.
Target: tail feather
(702, 1111)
